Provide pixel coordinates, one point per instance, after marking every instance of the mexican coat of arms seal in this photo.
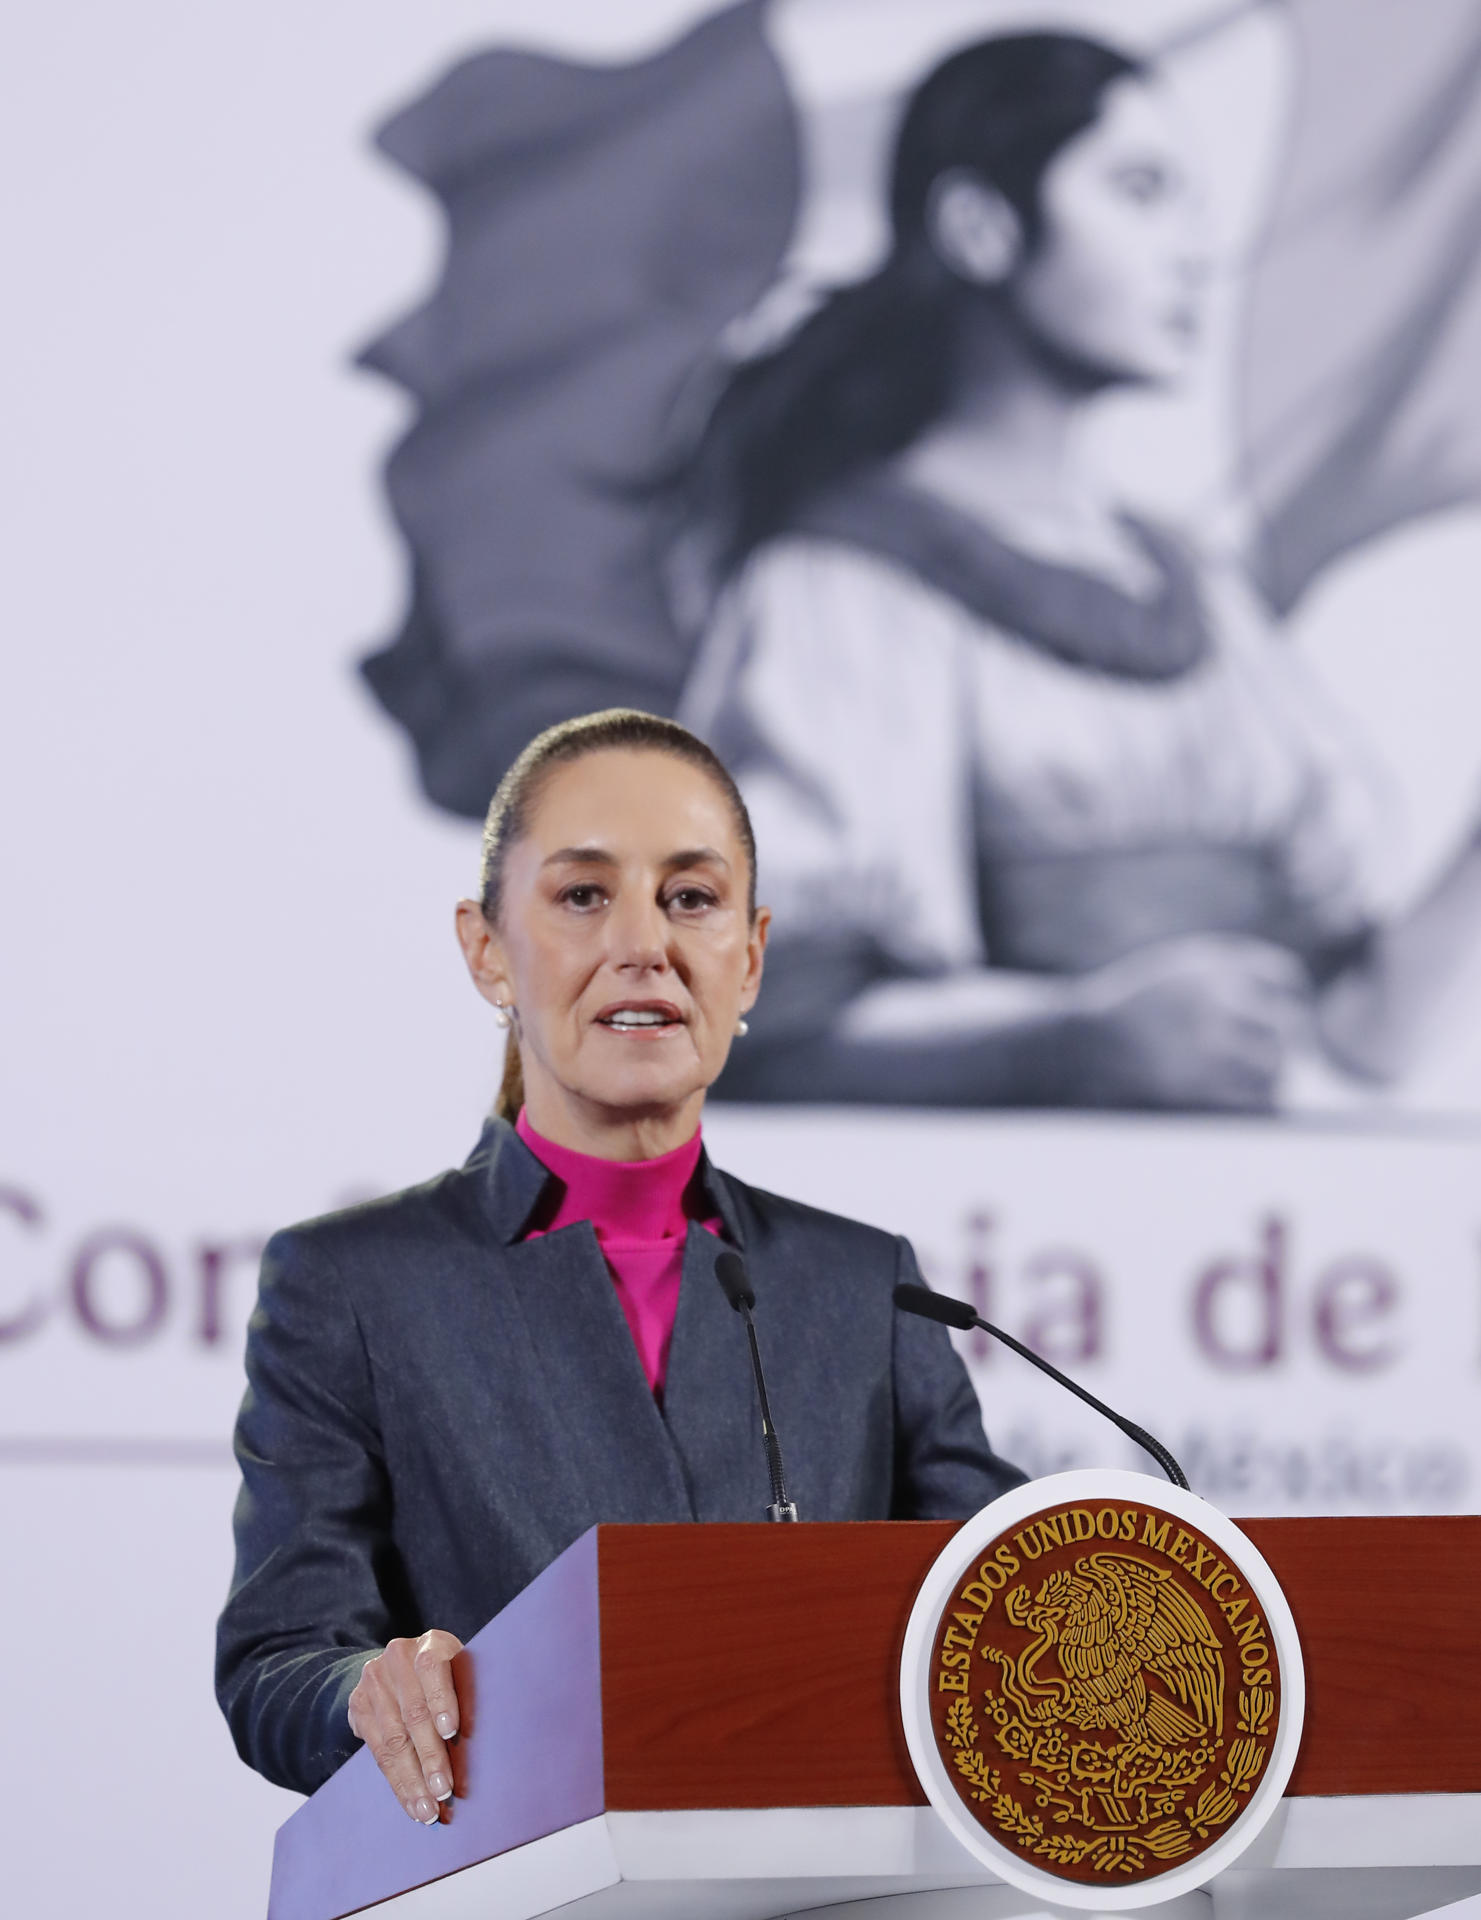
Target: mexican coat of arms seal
(1102, 1685)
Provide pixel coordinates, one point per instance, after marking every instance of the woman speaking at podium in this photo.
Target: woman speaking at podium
(447, 1387)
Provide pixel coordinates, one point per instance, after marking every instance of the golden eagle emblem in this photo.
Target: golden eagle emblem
(1113, 1621)
(1090, 1715)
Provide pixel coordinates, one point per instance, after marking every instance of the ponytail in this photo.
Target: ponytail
(511, 1095)
(858, 382)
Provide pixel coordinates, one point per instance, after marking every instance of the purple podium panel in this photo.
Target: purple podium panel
(527, 1763)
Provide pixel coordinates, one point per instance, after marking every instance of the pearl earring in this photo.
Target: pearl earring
(742, 1028)
(501, 1014)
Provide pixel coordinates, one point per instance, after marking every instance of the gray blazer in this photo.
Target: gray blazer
(436, 1408)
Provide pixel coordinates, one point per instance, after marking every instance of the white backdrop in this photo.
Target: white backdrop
(232, 993)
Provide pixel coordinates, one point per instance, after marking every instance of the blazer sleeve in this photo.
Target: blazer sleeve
(945, 1468)
(312, 1523)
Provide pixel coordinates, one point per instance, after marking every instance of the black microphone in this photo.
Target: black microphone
(730, 1271)
(956, 1313)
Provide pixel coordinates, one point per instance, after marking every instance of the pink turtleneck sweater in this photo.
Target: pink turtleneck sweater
(641, 1211)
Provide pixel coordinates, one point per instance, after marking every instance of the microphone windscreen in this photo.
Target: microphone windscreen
(935, 1306)
(730, 1271)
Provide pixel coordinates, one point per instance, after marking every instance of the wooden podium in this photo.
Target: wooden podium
(681, 1722)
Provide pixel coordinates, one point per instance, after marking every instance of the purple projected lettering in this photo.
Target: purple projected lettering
(1065, 1310)
(96, 1264)
(18, 1325)
(1246, 1310)
(122, 1289)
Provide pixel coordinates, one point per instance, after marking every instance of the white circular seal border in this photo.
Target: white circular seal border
(953, 1563)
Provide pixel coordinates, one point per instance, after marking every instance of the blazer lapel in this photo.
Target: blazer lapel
(618, 1457)
(601, 1416)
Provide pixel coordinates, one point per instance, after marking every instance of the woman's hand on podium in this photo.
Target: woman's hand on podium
(405, 1709)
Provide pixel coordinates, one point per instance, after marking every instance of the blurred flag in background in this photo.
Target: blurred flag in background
(1361, 377)
(607, 224)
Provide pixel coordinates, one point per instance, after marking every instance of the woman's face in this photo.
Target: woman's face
(624, 941)
(1114, 286)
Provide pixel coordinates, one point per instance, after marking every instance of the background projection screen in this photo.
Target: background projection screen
(383, 386)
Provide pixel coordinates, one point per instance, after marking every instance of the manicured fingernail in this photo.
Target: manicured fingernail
(426, 1812)
(444, 1725)
(441, 1787)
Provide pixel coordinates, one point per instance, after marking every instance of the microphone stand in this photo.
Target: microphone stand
(731, 1273)
(956, 1313)
(781, 1507)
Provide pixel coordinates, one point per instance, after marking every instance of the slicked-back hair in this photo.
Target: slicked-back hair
(615, 729)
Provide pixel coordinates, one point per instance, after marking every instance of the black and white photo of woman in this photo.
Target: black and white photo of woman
(1054, 815)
